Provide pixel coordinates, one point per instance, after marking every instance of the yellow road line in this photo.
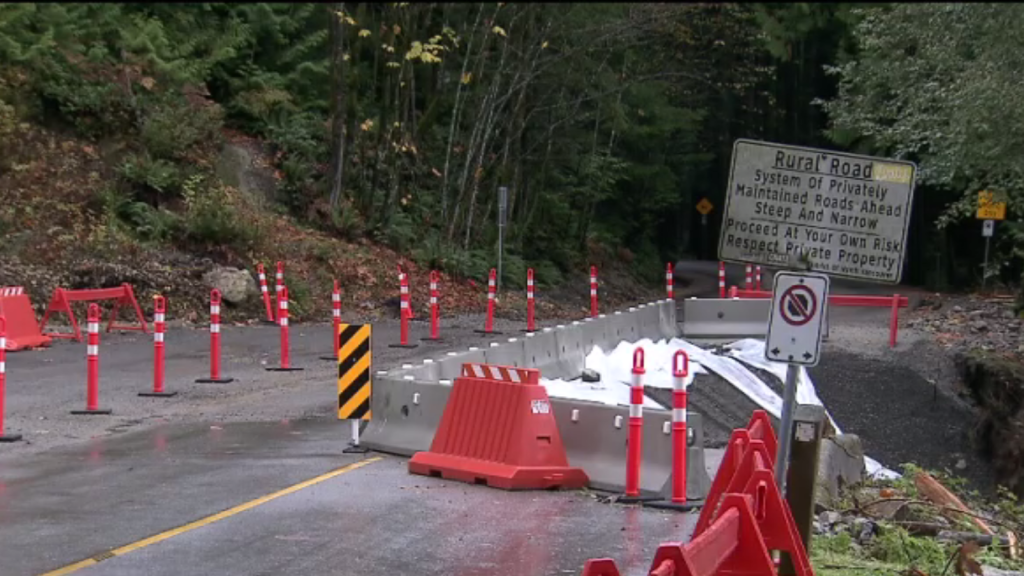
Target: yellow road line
(208, 520)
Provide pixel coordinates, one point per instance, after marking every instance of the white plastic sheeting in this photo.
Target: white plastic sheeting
(616, 368)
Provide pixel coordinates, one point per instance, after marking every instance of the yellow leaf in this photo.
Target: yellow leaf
(467, 77)
(499, 31)
(388, 48)
(397, 29)
(350, 21)
(346, 57)
(393, 64)
(364, 33)
(397, 124)
(544, 45)
(367, 125)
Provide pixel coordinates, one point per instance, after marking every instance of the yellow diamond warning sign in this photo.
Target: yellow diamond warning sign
(705, 206)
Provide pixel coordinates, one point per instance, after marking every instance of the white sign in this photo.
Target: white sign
(987, 228)
(540, 406)
(799, 301)
(841, 214)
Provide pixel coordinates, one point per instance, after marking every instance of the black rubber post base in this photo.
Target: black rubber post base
(403, 345)
(623, 499)
(438, 339)
(529, 331)
(214, 380)
(355, 450)
(10, 437)
(158, 394)
(97, 412)
(280, 369)
(486, 333)
(678, 506)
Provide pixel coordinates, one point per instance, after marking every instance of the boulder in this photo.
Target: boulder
(235, 285)
(840, 464)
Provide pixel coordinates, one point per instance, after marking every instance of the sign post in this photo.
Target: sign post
(502, 214)
(799, 301)
(704, 207)
(991, 207)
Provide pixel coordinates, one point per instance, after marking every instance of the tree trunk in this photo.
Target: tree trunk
(338, 110)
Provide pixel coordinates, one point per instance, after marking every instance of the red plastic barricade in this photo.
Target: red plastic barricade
(740, 527)
(498, 429)
(22, 330)
(894, 302)
(123, 295)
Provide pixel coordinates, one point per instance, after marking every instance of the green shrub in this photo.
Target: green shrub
(145, 172)
(211, 219)
(348, 223)
(546, 273)
(173, 126)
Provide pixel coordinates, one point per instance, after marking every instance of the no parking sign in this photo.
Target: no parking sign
(797, 315)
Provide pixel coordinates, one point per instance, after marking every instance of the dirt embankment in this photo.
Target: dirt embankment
(63, 226)
(984, 338)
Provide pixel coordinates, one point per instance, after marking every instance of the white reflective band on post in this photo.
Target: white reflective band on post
(490, 283)
(636, 411)
(433, 285)
(215, 328)
(214, 309)
(335, 297)
(529, 293)
(433, 300)
(405, 304)
(490, 295)
(284, 304)
(93, 328)
(3, 367)
(679, 415)
(593, 291)
(336, 313)
(284, 321)
(263, 287)
(158, 337)
(263, 276)
(405, 289)
(92, 350)
(158, 317)
(3, 343)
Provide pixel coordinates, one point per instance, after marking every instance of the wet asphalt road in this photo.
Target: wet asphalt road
(82, 501)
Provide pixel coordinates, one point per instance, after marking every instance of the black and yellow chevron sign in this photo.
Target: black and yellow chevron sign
(355, 357)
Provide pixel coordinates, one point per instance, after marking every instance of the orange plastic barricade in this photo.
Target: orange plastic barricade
(123, 295)
(22, 330)
(498, 429)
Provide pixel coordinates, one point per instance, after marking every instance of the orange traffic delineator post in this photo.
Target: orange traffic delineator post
(159, 309)
(265, 293)
(335, 322)
(669, 281)
(282, 318)
(530, 320)
(3, 381)
(215, 377)
(405, 312)
(278, 284)
(498, 429)
(22, 329)
(593, 292)
(435, 308)
(491, 290)
(92, 384)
